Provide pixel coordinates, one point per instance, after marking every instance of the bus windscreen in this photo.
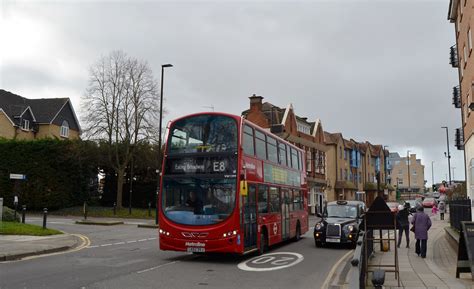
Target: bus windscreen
(198, 201)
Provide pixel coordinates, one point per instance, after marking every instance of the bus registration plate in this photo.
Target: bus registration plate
(333, 240)
(196, 249)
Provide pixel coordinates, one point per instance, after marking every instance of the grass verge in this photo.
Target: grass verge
(106, 212)
(15, 228)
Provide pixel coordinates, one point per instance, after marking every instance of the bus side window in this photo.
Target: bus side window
(282, 154)
(260, 145)
(274, 200)
(248, 141)
(272, 149)
(262, 199)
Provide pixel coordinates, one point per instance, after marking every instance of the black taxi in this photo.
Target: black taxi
(340, 223)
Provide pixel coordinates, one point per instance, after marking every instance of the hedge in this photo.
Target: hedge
(59, 173)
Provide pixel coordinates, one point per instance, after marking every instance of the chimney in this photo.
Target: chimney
(256, 103)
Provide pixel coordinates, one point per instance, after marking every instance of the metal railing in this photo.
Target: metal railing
(459, 210)
(453, 56)
(363, 251)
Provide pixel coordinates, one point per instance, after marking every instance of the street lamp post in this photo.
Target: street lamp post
(432, 173)
(409, 184)
(159, 139)
(385, 164)
(448, 156)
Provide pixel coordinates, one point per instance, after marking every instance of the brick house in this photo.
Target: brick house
(298, 130)
(27, 119)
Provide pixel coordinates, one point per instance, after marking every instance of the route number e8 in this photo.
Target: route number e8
(218, 166)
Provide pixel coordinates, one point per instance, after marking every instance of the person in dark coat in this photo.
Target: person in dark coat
(422, 223)
(403, 224)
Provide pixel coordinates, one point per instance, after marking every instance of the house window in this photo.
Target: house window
(25, 125)
(400, 181)
(400, 172)
(414, 172)
(64, 129)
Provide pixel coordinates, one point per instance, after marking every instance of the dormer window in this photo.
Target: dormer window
(25, 125)
(64, 129)
(304, 128)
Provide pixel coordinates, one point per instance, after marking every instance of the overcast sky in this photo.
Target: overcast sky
(373, 70)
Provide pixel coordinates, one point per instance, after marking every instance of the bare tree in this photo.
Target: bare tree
(121, 108)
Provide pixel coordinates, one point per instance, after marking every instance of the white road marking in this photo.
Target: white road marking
(272, 261)
(121, 243)
(153, 268)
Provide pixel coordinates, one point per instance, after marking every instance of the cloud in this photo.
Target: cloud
(373, 70)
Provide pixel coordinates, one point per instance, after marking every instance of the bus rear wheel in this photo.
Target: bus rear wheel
(298, 232)
(263, 243)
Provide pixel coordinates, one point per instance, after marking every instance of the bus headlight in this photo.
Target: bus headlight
(230, 234)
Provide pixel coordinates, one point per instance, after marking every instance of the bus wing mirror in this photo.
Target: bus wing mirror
(243, 188)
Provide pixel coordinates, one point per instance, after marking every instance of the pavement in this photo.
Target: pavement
(15, 247)
(435, 271)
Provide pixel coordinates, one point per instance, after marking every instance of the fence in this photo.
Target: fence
(359, 261)
(459, 210)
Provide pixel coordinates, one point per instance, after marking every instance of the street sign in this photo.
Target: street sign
(17, 177)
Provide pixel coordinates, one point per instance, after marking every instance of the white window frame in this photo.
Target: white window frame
(469, 39)
(25, 125)
(64, 130)
(465, 55)
(400, 181)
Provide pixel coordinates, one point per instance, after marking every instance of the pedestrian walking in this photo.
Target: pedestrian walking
(442, 210)
(434, 209)
(403, 224)
(421, 223)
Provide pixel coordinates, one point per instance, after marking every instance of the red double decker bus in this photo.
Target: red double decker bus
(229, 186)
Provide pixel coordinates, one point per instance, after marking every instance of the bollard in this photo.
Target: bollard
(45, 216)
(115, 208)
(23, 212)
(85, 210)
(149, 209)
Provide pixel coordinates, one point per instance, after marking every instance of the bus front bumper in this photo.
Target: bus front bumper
(224, 245)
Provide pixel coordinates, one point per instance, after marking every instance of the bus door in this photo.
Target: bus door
(285, 213)
(249, 218)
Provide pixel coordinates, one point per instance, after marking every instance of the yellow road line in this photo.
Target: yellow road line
(334, 268)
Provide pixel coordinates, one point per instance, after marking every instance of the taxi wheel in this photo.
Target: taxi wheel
(318, 244)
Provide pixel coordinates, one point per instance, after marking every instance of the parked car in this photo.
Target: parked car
(393, 206)
(429, 202)
(340, 223)
(414, 204)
